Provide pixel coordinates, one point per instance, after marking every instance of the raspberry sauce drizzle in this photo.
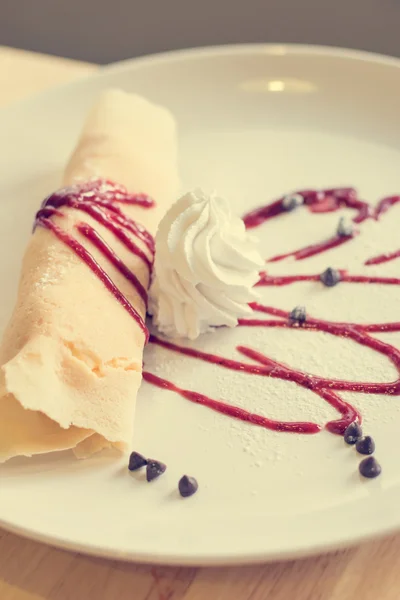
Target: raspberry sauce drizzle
(92, 235)
(314, 249)
(279, 280)
(99, 199)
(383, 258)
(267, 368)
(326, 201)
(230, 410)
(323, 201)
(87, 258)
(358, 333)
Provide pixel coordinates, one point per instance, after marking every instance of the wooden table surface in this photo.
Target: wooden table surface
(33, 571)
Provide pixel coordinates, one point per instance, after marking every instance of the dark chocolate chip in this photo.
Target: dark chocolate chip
(187, 486)
(352, 433)
(298, 315)
(154, 469)
(365, 445)
(136, 461)
(330, 277)
(292, 201)
(344, 228)
(369, 467)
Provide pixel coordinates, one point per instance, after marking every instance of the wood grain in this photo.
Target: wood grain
(33, 571)
(23, 73)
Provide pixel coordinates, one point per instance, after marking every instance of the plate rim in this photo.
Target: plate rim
(131, 64)
(196, 560)
(269, 49)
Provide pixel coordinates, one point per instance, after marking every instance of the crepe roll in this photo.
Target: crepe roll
(71, 356)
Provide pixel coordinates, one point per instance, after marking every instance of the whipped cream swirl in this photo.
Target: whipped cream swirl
(206, 265)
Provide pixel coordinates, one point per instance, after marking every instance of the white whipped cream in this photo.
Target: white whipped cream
(205, 268)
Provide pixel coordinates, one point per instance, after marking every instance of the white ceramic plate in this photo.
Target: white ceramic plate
(254, 121)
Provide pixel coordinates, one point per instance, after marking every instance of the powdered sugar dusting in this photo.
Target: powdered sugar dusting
(54, 272)
(321, 354)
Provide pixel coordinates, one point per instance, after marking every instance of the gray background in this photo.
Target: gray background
(108, 30)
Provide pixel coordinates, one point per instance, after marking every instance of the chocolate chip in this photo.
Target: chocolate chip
(369, 467)
(352, 433)
(187, 486)
(365, 445)
(344, 228)
(292, 201)
(136, 461)
(154, 469)
(330, 277)
(298, 315)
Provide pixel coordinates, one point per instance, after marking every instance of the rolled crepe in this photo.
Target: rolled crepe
(71, 355)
